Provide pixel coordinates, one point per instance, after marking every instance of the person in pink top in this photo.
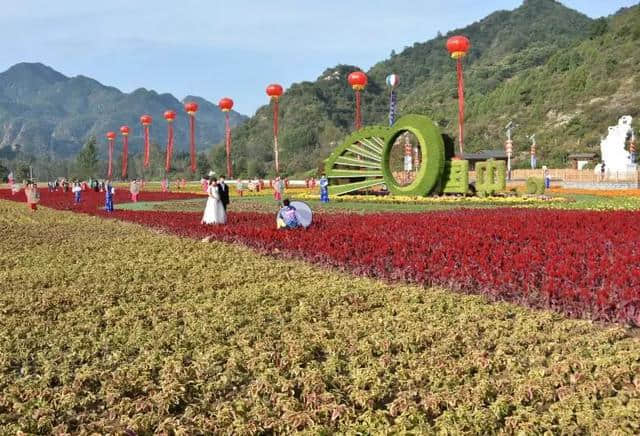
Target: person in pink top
(134, 188)
(278, 188)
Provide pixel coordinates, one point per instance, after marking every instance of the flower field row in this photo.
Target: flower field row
(106, 328)
(572, 262)
(581, 263)
(93, 201)
(597, 192)
(397, 199)
(196, 188)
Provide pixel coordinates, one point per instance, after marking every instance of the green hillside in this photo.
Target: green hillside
(51, 115)
(552, 70)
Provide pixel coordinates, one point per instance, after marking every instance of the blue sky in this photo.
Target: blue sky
(217, 48)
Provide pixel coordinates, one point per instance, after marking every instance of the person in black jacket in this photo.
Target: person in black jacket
(223, 188)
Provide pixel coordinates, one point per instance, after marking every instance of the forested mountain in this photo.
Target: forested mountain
(51, 115)
(552, 70)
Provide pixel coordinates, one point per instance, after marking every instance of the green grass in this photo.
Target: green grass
(266, 204)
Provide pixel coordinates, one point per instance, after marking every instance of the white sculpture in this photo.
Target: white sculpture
(616, 159)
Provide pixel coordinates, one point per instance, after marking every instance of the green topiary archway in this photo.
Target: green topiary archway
(432, 147)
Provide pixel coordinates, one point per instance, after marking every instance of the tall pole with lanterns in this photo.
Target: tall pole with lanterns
(274, 91)
(191, 108)
(111, 137)
(124, 131)
(226, 104)
(358, 81)
(458, 46)
(509, 147)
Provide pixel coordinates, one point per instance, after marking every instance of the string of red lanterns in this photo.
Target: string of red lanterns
(358, 80)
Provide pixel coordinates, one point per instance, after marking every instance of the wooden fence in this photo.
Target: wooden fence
(572, 175)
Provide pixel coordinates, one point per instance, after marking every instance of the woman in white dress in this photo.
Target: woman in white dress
(214, 211)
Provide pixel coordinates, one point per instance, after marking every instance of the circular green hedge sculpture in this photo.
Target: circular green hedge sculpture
(535, 185)
(432, 147)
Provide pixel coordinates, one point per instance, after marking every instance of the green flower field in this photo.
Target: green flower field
(111, 327)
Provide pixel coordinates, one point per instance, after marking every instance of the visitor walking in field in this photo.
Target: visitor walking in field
(214, 212)
(76, 189)
(324, 189)
(33, 196)
(134, 189)
(109, 193)
(278, 189)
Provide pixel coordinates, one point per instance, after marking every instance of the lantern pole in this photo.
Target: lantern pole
(191, 108)
(227, 135)
(460, 105)
(274, 91)
(533, 151)
(192, 145)
(392, 83)
(275, 134)
(124, 130)
(358, 81)
(458, 46)
(509, 147)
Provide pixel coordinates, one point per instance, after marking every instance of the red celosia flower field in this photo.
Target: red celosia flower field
(92, 202)
(581, 263)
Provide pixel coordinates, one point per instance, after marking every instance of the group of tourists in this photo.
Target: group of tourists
(216, 188)
(165, 184)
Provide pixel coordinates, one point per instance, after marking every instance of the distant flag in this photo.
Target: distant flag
(392, 83)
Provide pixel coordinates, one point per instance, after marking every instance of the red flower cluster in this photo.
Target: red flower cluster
(92, 202)
(581, 263)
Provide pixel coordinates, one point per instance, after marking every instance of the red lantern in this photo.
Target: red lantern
(146, 121)
(458, 47)
(225, 105)
(124, 130)
(191, 108)
(111, 137)
(358, 81)
(170, 116)
(274, 91)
